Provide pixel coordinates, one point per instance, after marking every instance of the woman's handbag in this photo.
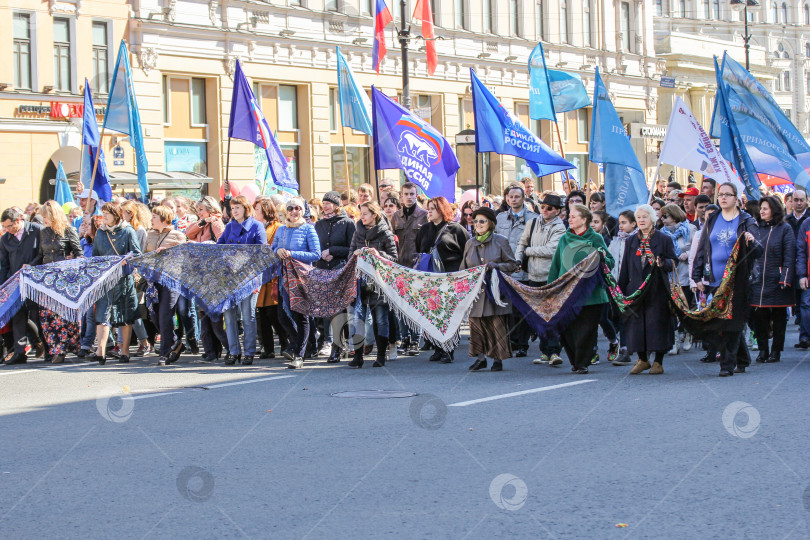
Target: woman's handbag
(431, 262)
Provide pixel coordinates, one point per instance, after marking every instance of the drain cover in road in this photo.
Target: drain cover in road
(374, 394)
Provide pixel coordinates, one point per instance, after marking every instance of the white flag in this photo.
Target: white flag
(688, 146)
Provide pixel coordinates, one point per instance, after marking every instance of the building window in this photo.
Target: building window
(625, 26)
(166, 117)
(682, 8)
(662, 7)
(807, 82)
(784, 13)
(334, 5)
(539, 20)
(565, 34)
(333, 109)
(789, 114)
(707, 9)
(22, 51)
(716, 9)
(101, 75)
(775, 12)
(514, 18)
(786, 81)
(435, 10)
(488, 25)
(198, 102)
(186, 156)
(806, 14)
(807, 49)
(461, 14)
(586, 24)
(287, 108)
(61, 54)
(582, 126)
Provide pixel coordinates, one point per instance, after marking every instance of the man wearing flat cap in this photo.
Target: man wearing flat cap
(535, 250)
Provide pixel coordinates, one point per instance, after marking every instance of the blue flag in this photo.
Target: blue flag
(249, 124)
(731, 145)
(355, 105)
(567, 91)
(541, 102)
(123, 116)
(625, 184)
(90, 147)
(498, 130)
(63, 194)
(773, 144)
(404, 141)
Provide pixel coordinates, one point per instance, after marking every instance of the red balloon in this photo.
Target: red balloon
(234, 190)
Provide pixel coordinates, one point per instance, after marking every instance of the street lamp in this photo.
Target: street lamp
(737, 5)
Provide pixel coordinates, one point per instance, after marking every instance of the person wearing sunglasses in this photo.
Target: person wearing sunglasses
(720, 234)
(467, 210)
(489, 323)
(298, 240)
(242, 229)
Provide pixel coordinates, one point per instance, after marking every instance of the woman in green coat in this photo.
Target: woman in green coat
(579, 241)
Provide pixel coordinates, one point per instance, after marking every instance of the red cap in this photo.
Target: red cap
(691, 192)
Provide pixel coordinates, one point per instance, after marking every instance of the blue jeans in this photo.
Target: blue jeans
(89, 330)
(804, 316)
(247, 308)
(187, 313)
(362, 310)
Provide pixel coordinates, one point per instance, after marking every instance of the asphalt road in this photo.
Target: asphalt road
(141, 451)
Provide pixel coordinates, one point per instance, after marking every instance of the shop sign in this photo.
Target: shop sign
(57, 110)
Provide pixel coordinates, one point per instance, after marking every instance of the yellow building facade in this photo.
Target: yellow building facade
(48, 48)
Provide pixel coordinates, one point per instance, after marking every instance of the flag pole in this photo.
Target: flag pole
(346, 160)
(477, 182)
(226, 187)
(655, 180)
(563, 174)
(95, 167)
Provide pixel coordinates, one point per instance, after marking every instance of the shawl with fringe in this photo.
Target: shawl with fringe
(217, 276)
(435, 304)
(720, 309)
(316, 292)
(10, 299)
(70, 288)
(550, 308)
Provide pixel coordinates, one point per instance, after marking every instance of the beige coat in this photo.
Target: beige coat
(495, 249)
(166, 239)
(541, 246)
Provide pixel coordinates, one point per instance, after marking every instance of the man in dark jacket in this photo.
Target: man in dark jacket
(19, 246)
(335, 231)
(406, 223)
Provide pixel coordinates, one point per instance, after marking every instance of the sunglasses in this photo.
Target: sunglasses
(293, 209)
(480, 221)
(467, 214)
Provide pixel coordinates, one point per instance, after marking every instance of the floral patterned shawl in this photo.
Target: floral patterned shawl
(320, 293)
(720, 308)
(217, 276)
(70, 288)
(434, 303)
(550, 308)
(10, 299)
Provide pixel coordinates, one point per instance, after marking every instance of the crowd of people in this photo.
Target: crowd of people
(689, 233)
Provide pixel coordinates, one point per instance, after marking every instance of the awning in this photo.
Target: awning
(158, 180)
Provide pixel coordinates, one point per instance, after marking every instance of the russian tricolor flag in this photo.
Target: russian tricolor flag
(382, 17)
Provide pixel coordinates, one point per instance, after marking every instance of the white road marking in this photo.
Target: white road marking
(208, 387)
(59, 366)
(248, 381)
(521, 393)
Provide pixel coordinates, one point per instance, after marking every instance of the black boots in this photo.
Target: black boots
(382, 351)
(357, 359)
(334, 356)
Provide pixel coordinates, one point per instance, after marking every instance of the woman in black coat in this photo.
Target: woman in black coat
(649, 328)
(449, 239)
(714, 247)
(441, 231)
(373, 232)
(772, 278)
